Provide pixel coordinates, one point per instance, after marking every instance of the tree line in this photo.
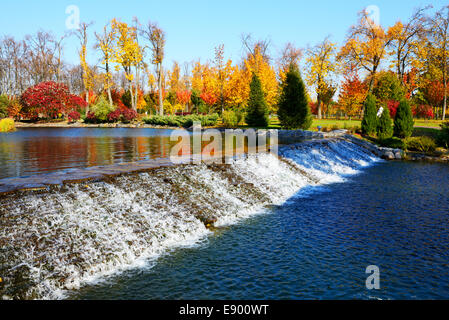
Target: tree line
(408, 60)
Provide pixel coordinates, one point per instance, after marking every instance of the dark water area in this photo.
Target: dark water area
(30, 151)
(393, 215)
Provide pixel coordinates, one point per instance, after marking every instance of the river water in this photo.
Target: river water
(317, 246)
(302, 226)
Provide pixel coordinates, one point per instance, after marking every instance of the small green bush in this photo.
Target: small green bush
(421, 144)
(443, 135)
(182, 121)
(230, 119)
(4, 104)
(101, 109)
(392, 142)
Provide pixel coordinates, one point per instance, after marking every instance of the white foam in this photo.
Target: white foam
(68, 239)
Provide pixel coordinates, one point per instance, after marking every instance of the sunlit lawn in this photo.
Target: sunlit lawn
(346, 123)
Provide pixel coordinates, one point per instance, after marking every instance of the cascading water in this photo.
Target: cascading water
(57, 240)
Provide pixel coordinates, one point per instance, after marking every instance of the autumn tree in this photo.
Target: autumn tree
(82, 35)
(388, 87)
(352, 94)
(128, 54)
(365, 46)
(440, 33)
(156, 38)
(405, 39)
(105, 43)
(321, 64)
(174, 78)
(258, 64)
(221, 76)
(290, 55)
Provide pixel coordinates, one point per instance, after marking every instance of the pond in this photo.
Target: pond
(31, 151)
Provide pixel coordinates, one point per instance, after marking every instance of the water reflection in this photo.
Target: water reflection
(35, 150)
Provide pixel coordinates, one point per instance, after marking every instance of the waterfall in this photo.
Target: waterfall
(68, 236)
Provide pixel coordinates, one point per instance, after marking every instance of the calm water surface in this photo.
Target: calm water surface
(41, 150)
(317, 246)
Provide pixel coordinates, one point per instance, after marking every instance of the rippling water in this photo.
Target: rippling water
(316, 246)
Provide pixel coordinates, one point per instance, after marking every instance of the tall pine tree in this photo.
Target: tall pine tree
(403, 122)
(257, 110)
(294, 109)
(369, 122)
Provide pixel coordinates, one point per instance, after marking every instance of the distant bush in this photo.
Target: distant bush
(230, 119)
(4, 105)
(443, 135)
(392, 142)
(74, 116)
(7, 125)
(182, 121)
(423, 111)
(421, 144)
(100, 110)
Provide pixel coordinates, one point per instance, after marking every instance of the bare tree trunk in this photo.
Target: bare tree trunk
(161, 100)
(319, 108)
(137, 88)
(445, 96)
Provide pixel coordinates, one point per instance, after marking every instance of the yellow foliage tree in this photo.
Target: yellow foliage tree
(321, 64)
(105, 43)
(256, 63)
(365, 47)
(128, 54)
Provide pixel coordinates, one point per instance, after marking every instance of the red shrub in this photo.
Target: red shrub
(128, 115)
(393, 107)
(74, 116)
(313, 108)
(49, 100)
(117, 98)
(90, 117)
(115, 115)
(122, 114)
(423, 111)
(76, 102)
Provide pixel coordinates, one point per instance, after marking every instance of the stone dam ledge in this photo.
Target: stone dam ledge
(41, 182)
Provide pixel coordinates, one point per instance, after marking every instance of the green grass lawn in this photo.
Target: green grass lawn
(428, 123)
(342, 124)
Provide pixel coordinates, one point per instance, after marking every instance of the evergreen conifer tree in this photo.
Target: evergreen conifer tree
(257, 110)
(369, 122)
(385, 125)
(403, 122)
(294, 109)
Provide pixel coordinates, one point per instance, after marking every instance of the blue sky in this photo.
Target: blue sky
(195, 27)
